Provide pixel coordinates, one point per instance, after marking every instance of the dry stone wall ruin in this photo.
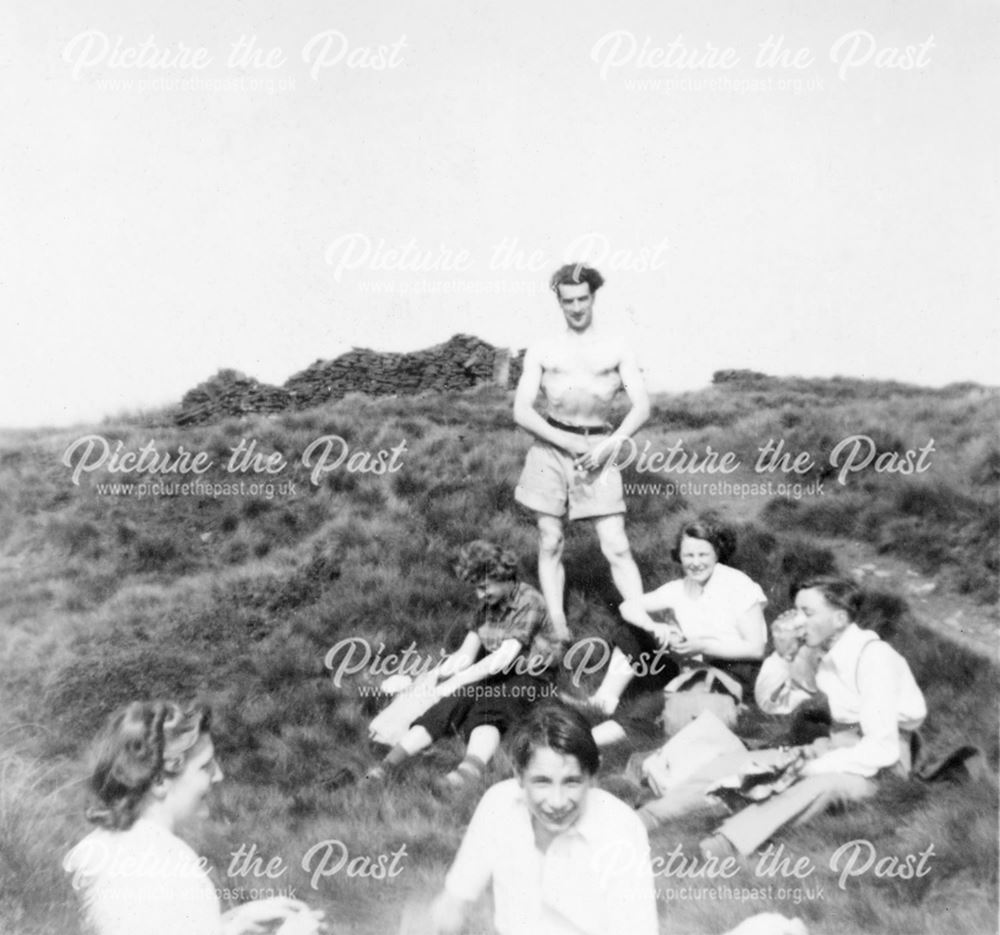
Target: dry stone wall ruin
(462, 362)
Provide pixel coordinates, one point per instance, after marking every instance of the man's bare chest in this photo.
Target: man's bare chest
(590, 361)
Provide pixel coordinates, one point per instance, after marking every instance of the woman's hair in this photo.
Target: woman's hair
(479, 560)
(719, 536)
(841, 593)
(560, 728)
(141, 744)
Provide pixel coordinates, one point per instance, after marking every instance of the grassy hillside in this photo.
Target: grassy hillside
(238, 596)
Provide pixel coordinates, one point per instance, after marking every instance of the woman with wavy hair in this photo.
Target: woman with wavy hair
(718, 614)
(155, 766)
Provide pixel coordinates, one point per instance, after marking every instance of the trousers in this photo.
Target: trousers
(749, 828)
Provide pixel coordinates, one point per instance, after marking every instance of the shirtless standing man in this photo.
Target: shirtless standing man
(579, 372)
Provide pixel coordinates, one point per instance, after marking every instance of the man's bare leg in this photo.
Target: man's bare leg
(551, 573)
(625, 574)
(614, 545)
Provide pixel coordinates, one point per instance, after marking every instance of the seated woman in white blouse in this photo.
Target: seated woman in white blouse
(155, 767)
(719, 613)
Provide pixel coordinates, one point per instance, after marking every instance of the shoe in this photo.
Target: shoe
(717, 846)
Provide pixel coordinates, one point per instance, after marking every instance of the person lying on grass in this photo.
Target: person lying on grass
(154, 770)
(875, 704)
(504, 664)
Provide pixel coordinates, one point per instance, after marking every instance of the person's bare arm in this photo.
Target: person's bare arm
(529, 419)
(461, 658)
(752, 632)
(637, 609)
(637, 612)
(495, 662)
(635, 389)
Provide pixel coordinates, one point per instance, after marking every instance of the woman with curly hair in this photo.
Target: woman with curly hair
(489, 683)
(155, 766)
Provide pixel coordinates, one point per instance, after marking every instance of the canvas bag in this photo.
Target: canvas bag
(702, 688)
(684, 755)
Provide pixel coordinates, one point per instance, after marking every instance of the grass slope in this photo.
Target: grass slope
(238, 599)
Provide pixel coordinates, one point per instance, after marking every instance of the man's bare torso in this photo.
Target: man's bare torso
(580, 377)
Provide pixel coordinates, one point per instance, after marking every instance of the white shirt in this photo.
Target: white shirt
(594, 879)
(727, 596)
(869, 684)
(775, 691)
(143, 881)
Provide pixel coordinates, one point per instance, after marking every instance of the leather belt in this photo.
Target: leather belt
(585, 430)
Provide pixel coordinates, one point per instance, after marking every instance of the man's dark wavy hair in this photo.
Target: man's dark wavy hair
(841, 593)
(572, 274)
(560, 728)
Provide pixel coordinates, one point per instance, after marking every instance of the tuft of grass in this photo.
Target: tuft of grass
(36, 803)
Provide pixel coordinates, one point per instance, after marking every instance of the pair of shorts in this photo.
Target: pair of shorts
(551, 484)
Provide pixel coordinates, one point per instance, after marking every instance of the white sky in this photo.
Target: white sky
(152, 235)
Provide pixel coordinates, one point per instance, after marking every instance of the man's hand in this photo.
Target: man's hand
(786, 645)
(596, 455)
(576, 445)
(788, 635)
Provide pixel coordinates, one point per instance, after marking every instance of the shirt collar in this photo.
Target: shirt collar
(846, 646)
